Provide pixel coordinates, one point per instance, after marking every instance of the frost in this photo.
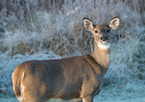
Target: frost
(43, 32)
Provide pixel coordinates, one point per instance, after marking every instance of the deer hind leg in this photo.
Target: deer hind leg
(32, 97)
(35, 100)
(78, 100)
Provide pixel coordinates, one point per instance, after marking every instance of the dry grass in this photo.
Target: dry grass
(37, 31)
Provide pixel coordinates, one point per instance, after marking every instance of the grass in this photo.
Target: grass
(42, 32)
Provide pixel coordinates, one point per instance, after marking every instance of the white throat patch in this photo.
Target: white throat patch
(104, 46)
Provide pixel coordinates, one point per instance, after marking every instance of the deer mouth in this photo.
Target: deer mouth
(104, 44)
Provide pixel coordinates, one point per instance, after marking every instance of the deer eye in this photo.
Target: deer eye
(96, 31)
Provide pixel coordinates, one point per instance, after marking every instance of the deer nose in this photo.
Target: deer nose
(104, 38)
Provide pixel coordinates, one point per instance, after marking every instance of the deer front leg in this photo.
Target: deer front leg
(88, 99)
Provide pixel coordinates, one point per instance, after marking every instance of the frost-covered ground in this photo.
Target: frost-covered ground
(129, 93)
(133, 91)
(39, 32)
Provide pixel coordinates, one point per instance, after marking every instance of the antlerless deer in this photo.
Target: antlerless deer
(67, 78)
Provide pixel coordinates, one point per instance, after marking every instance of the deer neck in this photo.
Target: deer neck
(101, 56)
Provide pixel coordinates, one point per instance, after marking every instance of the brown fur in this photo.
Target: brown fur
(67, 78)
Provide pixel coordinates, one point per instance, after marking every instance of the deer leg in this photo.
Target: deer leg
(78, 100)
(88, 99)
(36, 100)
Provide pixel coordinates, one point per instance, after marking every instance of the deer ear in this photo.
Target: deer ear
(114, 23)
(88, 24)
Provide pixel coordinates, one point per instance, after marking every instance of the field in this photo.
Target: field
(52, 29)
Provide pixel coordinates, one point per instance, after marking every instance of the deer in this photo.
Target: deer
(69, 78)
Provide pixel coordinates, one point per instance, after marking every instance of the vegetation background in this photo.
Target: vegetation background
(51, 29)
